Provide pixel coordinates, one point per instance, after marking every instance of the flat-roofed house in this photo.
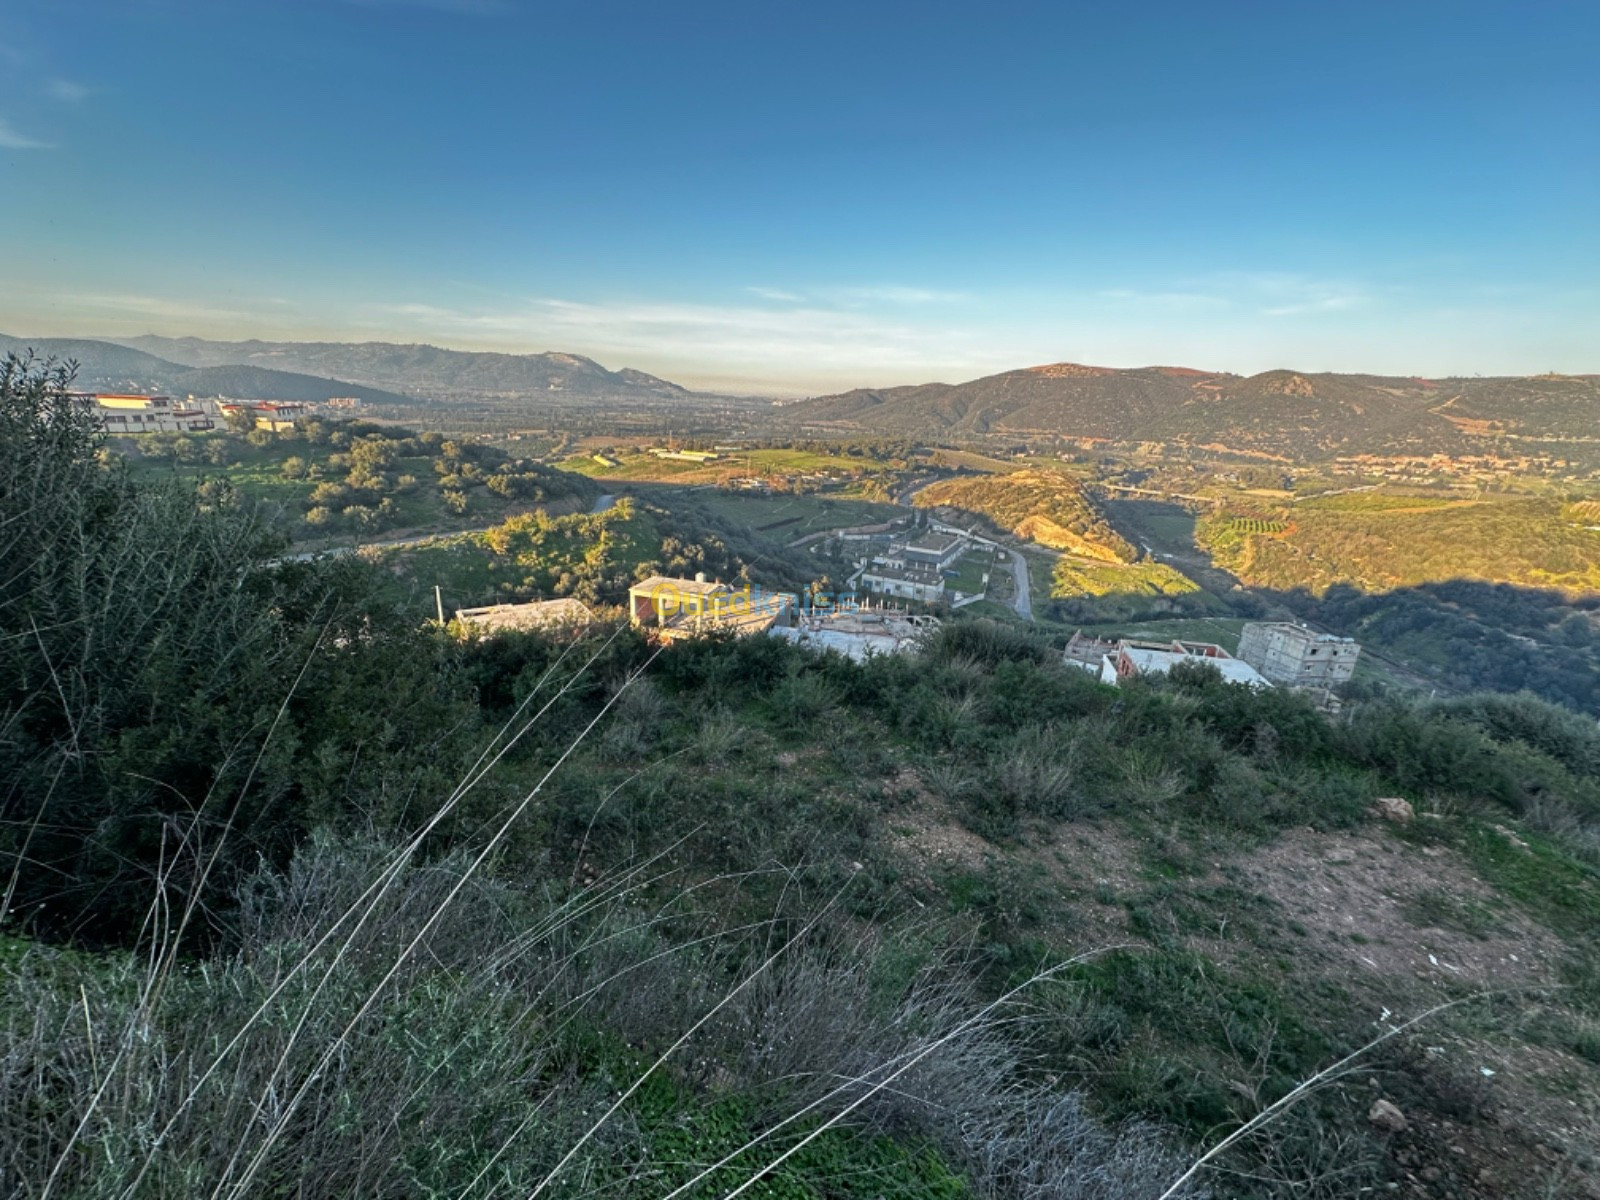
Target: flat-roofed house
(934, 550)
(860, 633)
(1087, 653)
(923, 584)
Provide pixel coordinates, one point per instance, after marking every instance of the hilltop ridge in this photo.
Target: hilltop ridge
(419, 368)
(108, 366)
(375, 372)
(1281, 413)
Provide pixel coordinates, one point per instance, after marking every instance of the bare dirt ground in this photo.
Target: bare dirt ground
(1402, 928)
(1414, 926)
(1365, 898)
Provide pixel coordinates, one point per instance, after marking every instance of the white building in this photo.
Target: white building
(922, 584)
(121, 412)
(933, 550)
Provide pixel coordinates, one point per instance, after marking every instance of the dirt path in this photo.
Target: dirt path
(379, 544)
(1019, 571)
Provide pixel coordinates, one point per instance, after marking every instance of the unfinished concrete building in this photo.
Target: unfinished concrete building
(538, 614)
(1295, 656)
(674, 609)
(860, 633)
(1133, 658)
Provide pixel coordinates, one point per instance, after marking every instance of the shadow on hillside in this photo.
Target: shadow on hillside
(1467, 634)
(1457, 634)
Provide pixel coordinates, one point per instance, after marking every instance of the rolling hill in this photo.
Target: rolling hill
(1279, 414)
(428, 370)
(1543, 406)
(1043, 506)
(108, 366)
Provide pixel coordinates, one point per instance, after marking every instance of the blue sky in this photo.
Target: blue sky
(796, 197)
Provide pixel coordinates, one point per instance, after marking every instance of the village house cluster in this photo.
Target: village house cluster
(673, 609)
(137, 412)
(127, 412)
(1418, 468)
(1271, 654)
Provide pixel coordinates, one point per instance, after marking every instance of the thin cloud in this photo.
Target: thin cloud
(1323, 305)
(13, 139)
(855, 297)
(1284, 294)
(122, 304)
(67, 91)
(899, 295)
(1263, 293)
(755, 341)
(1165, 299)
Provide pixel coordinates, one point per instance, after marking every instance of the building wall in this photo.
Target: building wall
(1292, 655)
(648, 605)
(905, 589)
(938, 560)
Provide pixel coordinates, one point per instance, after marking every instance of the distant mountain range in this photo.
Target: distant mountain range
(106, 366)
(1278, 413)
(425, 370)
(375, 372)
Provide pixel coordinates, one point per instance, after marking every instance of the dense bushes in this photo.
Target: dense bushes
(184, 725)
(172, 707)
(1472, 635)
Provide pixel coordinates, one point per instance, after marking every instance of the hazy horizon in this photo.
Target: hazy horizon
(793, 203)
(736, 386)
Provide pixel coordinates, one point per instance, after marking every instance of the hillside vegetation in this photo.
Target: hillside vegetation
(353, 479)
(1041, 506)
(305, 898)
(532, 555)
(1495, 591)
(1099, 576)
(1279, 415)
(763, 462)
(1275, 414)
(596, 556)
(1565, 406)
(1379, 541)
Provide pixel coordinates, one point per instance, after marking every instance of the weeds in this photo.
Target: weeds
(502, 917)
